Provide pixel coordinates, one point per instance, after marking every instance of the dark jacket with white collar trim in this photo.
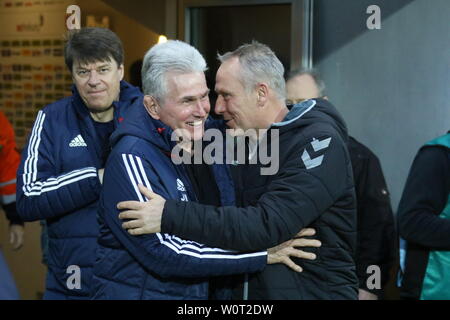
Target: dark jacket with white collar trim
(313, 188)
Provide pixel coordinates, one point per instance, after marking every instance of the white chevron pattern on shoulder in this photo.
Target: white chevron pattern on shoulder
(320, 145)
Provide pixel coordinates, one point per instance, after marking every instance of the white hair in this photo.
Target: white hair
(171, 56)
(259, 64)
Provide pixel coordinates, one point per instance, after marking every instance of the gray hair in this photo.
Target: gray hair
(313, 73)
(171, 56)
(258, 64)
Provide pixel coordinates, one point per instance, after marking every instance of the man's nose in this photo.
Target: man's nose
(220, 106)
(201, 108)
(94, 78)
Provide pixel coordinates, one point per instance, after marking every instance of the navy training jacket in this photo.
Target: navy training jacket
(57, 181)
(155, 266)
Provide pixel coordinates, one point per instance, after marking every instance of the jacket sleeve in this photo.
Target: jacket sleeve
(376, 244)
(11, 214)
(424, 198)
(164, 254)
(9, 160)
(306, 184)
(44, 193)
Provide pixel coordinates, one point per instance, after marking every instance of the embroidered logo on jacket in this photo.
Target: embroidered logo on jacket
(78, 141)
(182, 188)
(317, 145)
(320, 145)
(180, 185)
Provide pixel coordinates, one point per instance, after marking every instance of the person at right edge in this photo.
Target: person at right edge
(376, 243)
(424, 222)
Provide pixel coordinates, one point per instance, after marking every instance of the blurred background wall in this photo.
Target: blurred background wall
(391, 85)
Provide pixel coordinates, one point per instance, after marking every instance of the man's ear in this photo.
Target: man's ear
(262, 92)
(121, 70)
(152, 106)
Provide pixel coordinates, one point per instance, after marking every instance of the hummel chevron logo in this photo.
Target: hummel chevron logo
(317, 146)
(311, 163)
(78, 141)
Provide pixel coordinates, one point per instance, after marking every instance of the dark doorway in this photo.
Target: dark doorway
(220, 29)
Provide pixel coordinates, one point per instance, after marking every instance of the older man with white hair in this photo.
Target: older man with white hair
(162, 266)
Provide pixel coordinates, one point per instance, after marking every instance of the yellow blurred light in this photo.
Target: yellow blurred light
(162, 39)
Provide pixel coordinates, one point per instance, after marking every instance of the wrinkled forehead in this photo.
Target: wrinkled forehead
(231, 65)
(190, 84)
(229, 76)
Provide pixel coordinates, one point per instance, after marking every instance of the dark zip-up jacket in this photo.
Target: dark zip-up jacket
(313, 188)
(376, 237)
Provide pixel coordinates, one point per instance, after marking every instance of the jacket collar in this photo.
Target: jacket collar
(297, 111)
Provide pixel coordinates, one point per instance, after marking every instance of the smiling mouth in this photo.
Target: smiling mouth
(97, 92)
(195, 123)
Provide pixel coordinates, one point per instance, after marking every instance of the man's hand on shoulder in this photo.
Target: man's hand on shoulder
(283, 252)
(144, 217)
